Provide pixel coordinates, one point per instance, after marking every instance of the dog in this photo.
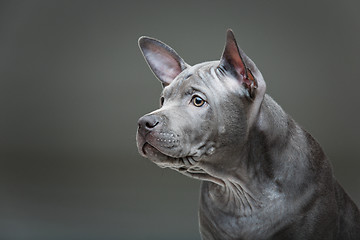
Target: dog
(263, 176)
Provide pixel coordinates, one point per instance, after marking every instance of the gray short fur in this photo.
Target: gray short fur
(264, 177)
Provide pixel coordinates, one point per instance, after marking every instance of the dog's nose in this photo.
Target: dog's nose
(147, 123)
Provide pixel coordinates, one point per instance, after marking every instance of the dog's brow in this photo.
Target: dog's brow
(188, 76)
(190, 91)
(193, 90)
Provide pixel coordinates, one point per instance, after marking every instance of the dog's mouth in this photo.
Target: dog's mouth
(165, 160)
(188, 165)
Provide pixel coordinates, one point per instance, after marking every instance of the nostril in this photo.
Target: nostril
(151, 125)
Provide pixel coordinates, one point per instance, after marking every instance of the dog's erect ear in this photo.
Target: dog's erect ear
(165, 63)
(235, 62)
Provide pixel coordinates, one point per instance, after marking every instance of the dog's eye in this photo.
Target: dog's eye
(198, 101)
(162, 101)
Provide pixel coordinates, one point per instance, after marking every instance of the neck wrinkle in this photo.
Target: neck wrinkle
(245, 201)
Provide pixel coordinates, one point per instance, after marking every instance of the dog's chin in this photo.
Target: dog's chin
(186, 165)
(153, 153)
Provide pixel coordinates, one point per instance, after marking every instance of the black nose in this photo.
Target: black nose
(147, 123)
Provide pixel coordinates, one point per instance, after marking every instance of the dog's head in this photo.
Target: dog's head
(206, 109)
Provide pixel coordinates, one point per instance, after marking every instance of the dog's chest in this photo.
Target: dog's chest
(221, 218)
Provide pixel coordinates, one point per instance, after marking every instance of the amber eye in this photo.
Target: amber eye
(198, 101)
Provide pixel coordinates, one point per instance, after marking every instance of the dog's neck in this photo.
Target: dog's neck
(249, 180)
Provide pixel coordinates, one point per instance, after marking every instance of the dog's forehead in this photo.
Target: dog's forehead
(205, 78)
(201, 68)
(198, 76)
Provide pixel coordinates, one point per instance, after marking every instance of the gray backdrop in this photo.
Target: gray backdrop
(73, 84)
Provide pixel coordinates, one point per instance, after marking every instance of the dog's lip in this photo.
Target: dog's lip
(175, 162)
(152, 140)
(149, 145)
(154, 148)
(144, 146)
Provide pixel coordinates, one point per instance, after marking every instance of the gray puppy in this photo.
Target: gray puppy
(264, 177)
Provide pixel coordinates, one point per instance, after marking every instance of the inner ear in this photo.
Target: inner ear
(165, 63)
(250, 83)
(231, 59)
(233, 63)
